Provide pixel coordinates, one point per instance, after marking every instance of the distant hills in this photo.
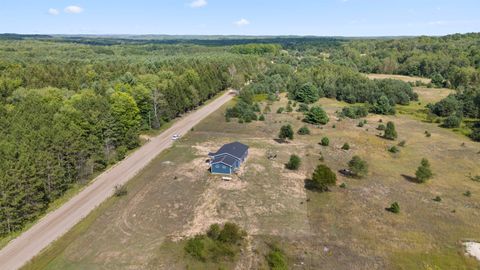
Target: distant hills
(208, 40)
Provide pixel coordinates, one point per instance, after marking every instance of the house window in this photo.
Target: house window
(224, 167)
(217, 166)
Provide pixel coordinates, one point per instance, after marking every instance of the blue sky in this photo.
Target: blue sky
(244, 17)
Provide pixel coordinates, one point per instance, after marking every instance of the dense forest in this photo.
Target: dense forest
(452, 61)
(71, 106)
(308, 72)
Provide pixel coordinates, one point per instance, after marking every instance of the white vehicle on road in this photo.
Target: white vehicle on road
(175, 137)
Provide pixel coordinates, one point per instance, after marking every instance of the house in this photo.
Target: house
(228, 158)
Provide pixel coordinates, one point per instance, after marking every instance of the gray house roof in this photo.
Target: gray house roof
(225, 159)
(235, 149)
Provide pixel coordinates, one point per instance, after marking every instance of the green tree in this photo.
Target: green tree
(245, 109)
(276, 259)
(446, 106)
(354, 112)
(125, 121)
(394, 208)
(325, 141)
(302, 107)
(383, 106)
(196, 248)
(304, 131)
(231, 233)
(143, 99)
(438, 80)
(424, 172)
(393, 149)
(452, 121)
(307, 93)
(390, 132)
(214, 231)
(323, 177)
(316, 115)
(475, 135)
(286, 132)
(219, 243)
(293, 162)
(358, 166)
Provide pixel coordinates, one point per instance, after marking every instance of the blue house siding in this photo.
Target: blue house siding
(228, 159)
(221, 168)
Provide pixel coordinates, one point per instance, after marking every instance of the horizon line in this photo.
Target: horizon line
(233, 35)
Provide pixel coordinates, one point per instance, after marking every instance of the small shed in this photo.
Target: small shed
(228, 158)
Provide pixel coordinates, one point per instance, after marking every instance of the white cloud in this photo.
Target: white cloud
(53, 11)
(242, 22)
(198, 3)
(73, 9)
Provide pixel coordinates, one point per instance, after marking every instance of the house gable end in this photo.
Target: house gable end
(221, 162)
(226, 154)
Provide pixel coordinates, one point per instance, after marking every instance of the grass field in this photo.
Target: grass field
(175, 197)
(399, 77)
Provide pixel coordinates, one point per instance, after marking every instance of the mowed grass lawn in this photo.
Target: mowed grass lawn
(347, 228)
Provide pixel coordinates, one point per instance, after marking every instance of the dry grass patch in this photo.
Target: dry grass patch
(399, 77)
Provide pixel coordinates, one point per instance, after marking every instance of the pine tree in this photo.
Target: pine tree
(316, 115)
(293, 162)
(358, 166)
(424, 171)
(286, 132)
(390, 132)
(323, 177)
(325, 141)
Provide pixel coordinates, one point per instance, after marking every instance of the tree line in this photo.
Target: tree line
(451, 61)
(456, 107)
(306, 84)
